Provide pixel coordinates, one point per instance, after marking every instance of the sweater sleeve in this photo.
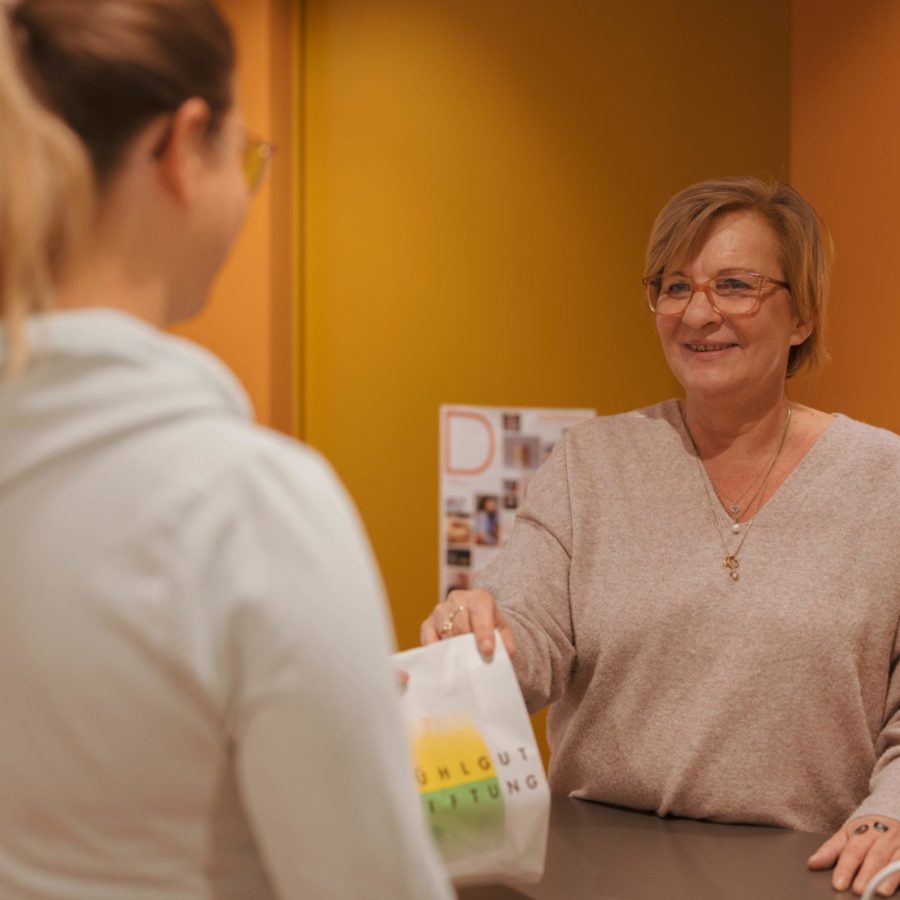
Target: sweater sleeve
(308, 699)
(530, 580)
(884, 785)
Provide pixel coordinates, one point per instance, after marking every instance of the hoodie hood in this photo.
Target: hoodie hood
(95, 376)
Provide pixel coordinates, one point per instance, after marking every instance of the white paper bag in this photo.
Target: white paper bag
(476, 763)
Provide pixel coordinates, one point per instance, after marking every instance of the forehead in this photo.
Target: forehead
(742, 239)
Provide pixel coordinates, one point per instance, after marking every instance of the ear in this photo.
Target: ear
(802, 330)
(185, 152)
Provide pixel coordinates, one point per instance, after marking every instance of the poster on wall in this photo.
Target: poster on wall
(488, 456)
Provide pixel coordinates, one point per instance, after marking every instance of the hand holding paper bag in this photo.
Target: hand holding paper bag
(476, 763)
(473, 611)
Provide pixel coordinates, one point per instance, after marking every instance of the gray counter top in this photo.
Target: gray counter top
(604, 853)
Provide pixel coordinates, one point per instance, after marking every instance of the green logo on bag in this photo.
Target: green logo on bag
(459, 786)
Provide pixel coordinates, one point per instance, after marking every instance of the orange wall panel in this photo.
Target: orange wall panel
(250, 321)
(845, 157)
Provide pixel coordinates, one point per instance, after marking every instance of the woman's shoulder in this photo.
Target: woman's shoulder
(258, 461)
(625, 444)
(864, 441)
(864, 460)
(167, 413)
(858, 459)
(649, 423)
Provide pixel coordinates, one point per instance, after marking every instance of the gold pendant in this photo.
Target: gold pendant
(731, 563)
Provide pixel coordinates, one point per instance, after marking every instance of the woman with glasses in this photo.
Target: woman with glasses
(194, 686)
(708, 590)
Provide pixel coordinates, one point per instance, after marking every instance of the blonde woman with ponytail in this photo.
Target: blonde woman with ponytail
(194, 688)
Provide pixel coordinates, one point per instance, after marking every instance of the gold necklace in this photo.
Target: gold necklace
(736, 520)
(734, 506)
(731, 561)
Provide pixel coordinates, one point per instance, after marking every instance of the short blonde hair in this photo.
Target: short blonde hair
(45, 198)
(683, 224)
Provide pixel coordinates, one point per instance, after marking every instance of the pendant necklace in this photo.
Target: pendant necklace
(731, 561)
(734, 506)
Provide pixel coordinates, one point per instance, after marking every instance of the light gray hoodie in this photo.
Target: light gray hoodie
(193, 637)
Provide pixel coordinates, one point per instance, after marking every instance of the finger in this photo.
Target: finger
(461, 623)
(848, 863)
(875, 860)
(443, 620)
(428, 633)
(826, 856)
(888, 887)
(455, 614)
(402, 678)
(483, 618)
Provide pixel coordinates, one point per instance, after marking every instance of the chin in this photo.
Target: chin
(187, 308)
(711, 385)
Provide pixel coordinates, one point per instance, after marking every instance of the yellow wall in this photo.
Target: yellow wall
(480, 178)
(845, 156)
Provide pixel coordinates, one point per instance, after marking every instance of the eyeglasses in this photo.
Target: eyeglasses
(256, 155)
(255, 159)
(732, 295)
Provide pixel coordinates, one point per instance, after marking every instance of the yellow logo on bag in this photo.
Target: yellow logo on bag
(459, 786)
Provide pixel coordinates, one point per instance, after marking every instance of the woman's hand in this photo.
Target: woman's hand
(858, 851)
(465, 612)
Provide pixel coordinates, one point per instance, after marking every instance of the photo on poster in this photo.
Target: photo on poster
(458, 505)
(510, 494)
(487, 520)
(458, 529)
(457, 557)
(521, 452)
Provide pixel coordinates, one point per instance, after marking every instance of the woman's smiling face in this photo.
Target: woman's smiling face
(715, 356)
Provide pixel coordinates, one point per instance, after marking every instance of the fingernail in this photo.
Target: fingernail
(485, 646)
(840, 883)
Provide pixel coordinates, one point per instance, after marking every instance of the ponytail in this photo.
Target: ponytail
(45, 197)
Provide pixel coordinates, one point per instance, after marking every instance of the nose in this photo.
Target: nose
(700, 310)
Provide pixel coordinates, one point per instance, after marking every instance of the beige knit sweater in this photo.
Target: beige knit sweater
(774, 699)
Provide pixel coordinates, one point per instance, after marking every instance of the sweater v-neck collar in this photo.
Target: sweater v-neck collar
(788, 486)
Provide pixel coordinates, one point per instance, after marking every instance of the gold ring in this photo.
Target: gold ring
(447, 627)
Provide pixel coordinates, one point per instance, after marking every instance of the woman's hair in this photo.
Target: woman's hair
(108, 67)
(45, 196)
(683, 224)
(105, 68)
